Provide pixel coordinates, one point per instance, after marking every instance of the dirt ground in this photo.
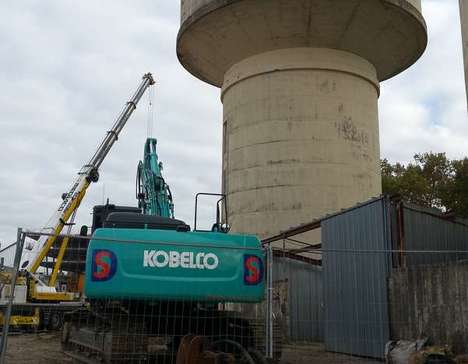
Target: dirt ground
(316, 354)
(45, 349)
(35, 348)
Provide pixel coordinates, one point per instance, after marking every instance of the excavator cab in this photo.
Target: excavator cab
(221, 213)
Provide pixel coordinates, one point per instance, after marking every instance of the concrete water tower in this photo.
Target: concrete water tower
(299, 83)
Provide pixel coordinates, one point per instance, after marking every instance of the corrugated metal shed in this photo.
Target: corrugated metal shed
(427, 230)
(360, 247)
(303, 306)
(355, 280)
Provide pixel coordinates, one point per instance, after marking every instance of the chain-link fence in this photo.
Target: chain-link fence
(382, 281)
(183, 297)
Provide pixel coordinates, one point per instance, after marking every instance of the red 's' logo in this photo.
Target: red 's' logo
(253, 270)
(104, 265)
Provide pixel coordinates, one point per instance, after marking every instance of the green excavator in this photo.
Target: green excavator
(157, 291)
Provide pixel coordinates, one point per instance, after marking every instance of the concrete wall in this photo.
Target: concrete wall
(216, 34)
(301, 141)
(416, 4)
(431, 301)
(189, 7)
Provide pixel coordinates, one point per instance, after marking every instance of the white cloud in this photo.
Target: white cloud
(424, 109)
(66, 69)
(66, 72)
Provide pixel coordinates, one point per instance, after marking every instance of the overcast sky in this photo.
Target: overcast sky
(67, 68)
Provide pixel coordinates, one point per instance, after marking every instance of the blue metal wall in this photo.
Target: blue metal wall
(356, 265)
(305, 298)
(426, 230)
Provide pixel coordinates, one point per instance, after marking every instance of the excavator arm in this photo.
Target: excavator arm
(153, 194)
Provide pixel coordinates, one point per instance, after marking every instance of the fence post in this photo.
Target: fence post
(269, 308)
(6, 324)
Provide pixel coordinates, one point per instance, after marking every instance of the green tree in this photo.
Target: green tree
(431, 180)
(456, 196)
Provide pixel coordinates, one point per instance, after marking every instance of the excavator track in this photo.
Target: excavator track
(111, 338)
(91, 338)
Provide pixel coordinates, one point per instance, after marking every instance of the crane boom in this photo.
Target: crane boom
(87, 174)
(112, 135)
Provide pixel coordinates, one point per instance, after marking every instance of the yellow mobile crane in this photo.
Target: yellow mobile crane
(36, 289)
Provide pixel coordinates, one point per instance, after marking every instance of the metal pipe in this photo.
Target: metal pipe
(8, 247)
(223, 197)
(269, 308)
(115, 240)
(464, 31)
(6, 324)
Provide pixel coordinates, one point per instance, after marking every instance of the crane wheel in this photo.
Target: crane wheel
(55, 321)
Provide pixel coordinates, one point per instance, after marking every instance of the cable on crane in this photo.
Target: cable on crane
(150, 119)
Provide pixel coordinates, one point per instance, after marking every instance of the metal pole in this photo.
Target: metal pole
(269, 308)
(464, 30)
(8, 247)
(6, 324)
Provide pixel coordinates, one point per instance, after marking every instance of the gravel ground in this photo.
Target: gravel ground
(45, 349)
